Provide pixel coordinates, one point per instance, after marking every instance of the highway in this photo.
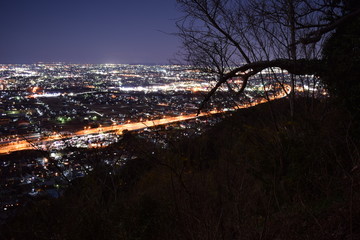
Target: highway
(24, 143)
(19, 144)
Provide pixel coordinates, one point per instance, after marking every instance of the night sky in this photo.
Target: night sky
(88, 31)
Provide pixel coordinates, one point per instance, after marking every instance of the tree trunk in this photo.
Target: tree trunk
(292, 54)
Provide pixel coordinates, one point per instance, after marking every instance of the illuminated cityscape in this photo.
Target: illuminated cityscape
(57, 107)
(64, 109)
(50, 96)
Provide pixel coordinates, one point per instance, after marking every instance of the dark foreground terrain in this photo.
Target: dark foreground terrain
(259, 174)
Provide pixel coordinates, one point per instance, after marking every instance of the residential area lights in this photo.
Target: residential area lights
(64, 98)
(63, 109)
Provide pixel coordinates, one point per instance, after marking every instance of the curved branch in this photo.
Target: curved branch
(297, 67)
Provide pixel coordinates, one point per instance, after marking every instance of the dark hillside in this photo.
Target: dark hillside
(250, 177)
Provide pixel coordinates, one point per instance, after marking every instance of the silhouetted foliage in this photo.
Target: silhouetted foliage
(342, 58)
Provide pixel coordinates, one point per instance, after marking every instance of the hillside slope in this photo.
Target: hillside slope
(256, 175)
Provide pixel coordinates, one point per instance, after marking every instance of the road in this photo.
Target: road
(19, 144)
(22, 144)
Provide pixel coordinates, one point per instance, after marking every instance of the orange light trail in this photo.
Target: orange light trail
(19, 145)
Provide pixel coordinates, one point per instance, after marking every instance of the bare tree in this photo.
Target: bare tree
(241, 38)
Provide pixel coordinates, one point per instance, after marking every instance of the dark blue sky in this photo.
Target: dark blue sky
(87, 31)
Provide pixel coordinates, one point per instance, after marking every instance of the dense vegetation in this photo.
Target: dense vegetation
(342, 61)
